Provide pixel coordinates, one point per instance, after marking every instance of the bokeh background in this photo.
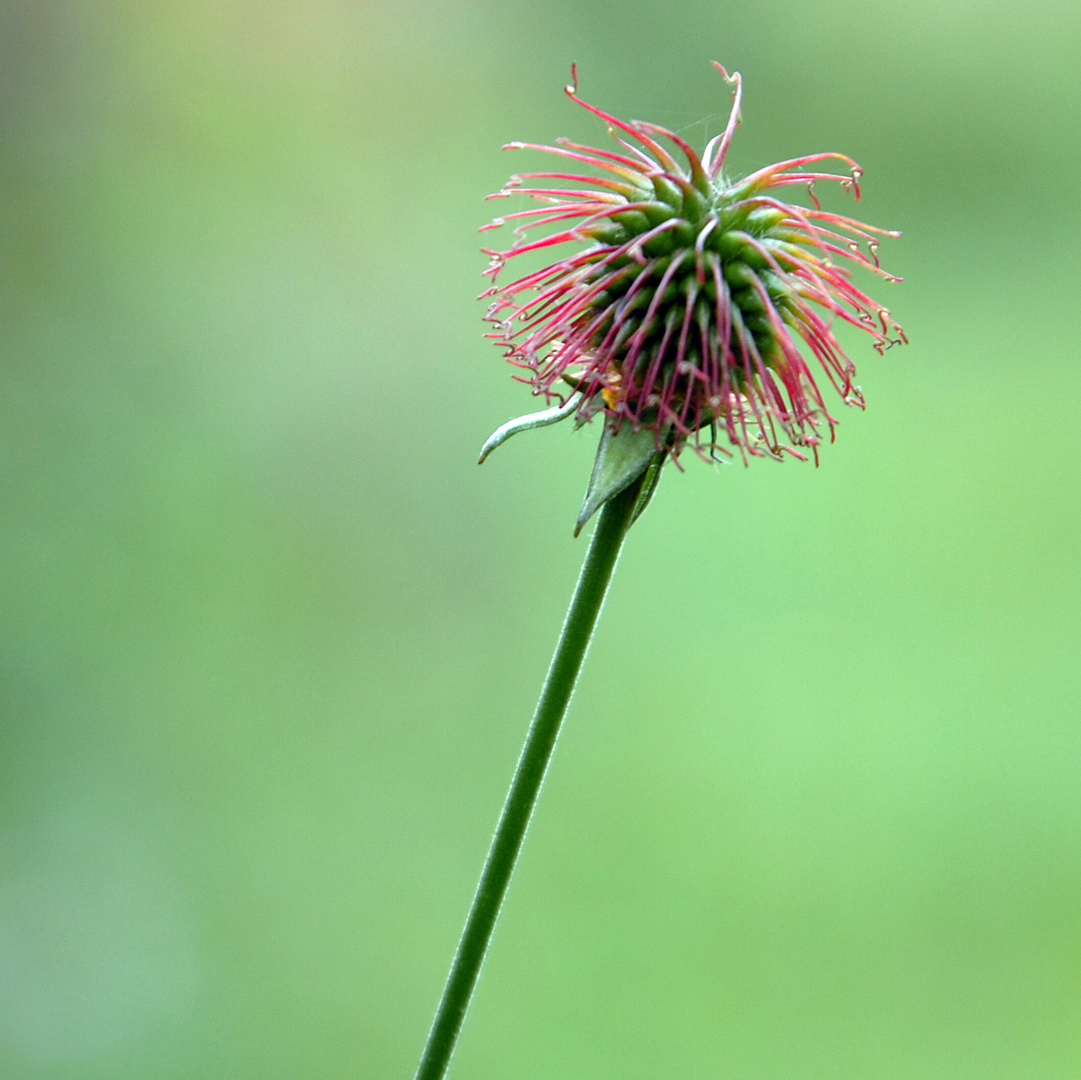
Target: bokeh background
(270, 640)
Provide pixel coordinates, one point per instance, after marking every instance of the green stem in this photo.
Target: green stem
(600, 561)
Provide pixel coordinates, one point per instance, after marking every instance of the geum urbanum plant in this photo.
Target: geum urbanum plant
(694, 315)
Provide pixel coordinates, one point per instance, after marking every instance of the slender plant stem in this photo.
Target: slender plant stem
(600, 561)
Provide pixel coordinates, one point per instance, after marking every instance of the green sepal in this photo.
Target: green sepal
(649, 485)
(622, 456)
(528, 422)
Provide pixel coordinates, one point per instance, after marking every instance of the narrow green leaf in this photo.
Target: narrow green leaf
(653, 478)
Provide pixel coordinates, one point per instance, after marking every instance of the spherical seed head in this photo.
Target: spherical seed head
(697, 299)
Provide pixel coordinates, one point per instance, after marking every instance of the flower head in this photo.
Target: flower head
(691, 309)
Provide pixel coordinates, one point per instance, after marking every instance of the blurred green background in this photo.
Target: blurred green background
(269, 639)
